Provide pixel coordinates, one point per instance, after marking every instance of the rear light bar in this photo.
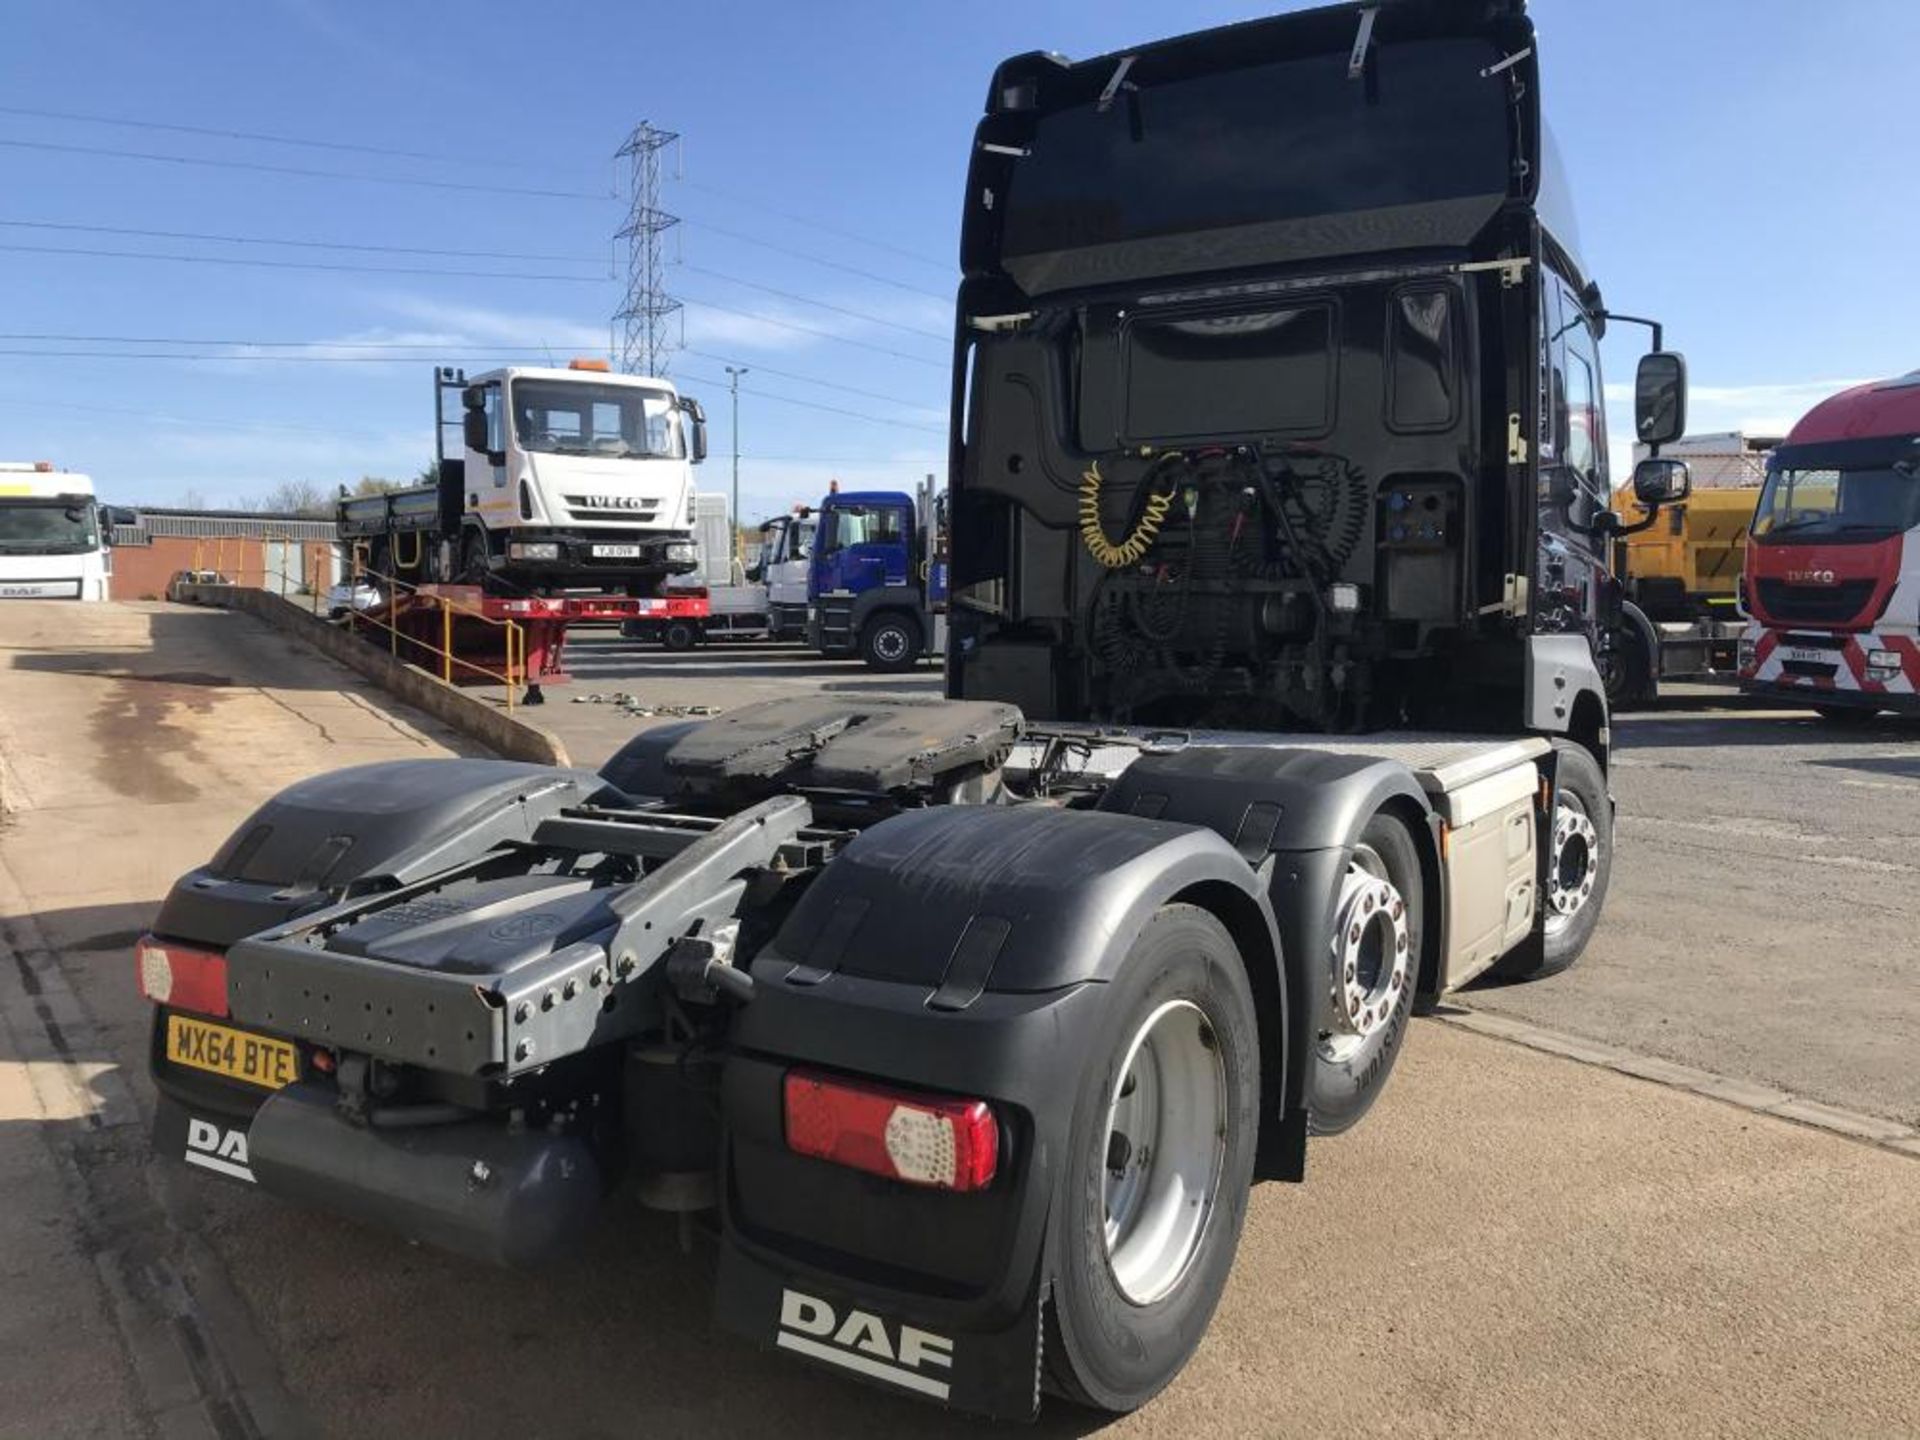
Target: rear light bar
(181, 977)
(921, 1139)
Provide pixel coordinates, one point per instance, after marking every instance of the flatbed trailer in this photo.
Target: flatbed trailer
(1272, 713)
(462, 633)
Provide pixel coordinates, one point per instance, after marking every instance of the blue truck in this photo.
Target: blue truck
(877, 587)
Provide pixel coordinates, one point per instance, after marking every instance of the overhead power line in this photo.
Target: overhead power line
(430, 350)
(780, 324)
(867, 316)
(812, 224)
(864, 274)
(298, 244)
(260, 167)
(806, 379)
(91, 253)
(249, 135)
(818, 407)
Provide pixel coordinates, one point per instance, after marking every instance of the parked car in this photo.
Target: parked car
(350, 596)
(176, 586)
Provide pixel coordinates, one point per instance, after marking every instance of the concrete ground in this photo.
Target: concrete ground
(1515, 1243)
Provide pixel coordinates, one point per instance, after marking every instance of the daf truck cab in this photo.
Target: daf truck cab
(54, 537)
(1831, 584)
(572, 478)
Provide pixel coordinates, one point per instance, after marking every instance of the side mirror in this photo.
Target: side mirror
(1661, 482)
(1660, 398)
(120, 515)
(697, 418)
(474, 397)
(473, 430)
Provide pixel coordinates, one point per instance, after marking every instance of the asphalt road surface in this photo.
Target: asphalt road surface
(1513, 1244)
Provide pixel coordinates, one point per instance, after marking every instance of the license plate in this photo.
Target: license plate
(1807, 657)
(222, 1050)
(616, 552)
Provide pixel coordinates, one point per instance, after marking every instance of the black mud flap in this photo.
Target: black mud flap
(211, 1143)
(994, 1373)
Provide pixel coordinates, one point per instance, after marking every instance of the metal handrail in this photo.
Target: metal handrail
(516, 637)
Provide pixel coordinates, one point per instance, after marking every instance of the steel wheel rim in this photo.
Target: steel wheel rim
(1573, 868)
(1372, 956)
(890, 643)
(1164, 1149)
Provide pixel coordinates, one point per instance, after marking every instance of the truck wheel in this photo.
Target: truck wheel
(1579, 864)
(473, 559)
(1373, 972)
(679, 635)
(890, 642)
(1626, 670)
(1155, 1178)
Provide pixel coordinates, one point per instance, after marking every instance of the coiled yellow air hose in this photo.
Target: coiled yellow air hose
(1094, 533)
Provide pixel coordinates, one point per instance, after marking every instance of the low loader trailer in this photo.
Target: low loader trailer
(1272, 715)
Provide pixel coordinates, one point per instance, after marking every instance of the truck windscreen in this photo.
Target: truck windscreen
(567, 417)
(1808, 506)
(48, 527)
(1418, 155)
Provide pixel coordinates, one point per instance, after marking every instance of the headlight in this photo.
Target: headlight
(682, 551)
(1744, 658)
(1343, 599)
(1884, 659)
(535, 550)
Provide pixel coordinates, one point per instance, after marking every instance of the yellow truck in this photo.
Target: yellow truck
(1680, 577)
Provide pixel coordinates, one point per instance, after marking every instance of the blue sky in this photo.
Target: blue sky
(1742, 169)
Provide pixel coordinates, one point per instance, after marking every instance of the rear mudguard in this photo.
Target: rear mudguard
(364, 827)
(955, 949)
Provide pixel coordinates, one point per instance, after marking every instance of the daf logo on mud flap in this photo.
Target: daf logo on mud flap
(222, 1151)
(864, 1343)
(1810, 577)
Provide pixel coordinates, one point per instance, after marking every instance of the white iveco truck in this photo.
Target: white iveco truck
(564, 479)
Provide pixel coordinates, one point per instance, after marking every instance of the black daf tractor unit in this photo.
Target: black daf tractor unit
(1273, 711)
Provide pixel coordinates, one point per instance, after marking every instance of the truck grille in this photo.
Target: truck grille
(587, 507)
(1815, 604)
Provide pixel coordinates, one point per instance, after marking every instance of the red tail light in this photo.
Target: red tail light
(921, 1139)
(182, 977)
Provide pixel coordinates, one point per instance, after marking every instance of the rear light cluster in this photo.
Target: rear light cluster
(182, 977)
(921, 1139)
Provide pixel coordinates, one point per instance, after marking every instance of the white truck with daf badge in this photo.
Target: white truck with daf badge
(1272, 709)
(54, 541)
(559, 479)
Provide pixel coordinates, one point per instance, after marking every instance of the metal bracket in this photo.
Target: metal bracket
(1506, 64)
(1119, 78)
(1363, 38)
(1516, 441)
(1512, 270)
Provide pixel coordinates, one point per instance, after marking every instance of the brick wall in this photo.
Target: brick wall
(141, 572)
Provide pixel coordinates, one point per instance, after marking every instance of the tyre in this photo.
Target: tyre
(1845, 716)
(1626, 670)
(890, 642)
(1579, 866)
(1371, 976)
(679, 635)
(1154, 1183)
(473, 559)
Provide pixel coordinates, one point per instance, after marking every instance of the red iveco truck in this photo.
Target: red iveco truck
(1832, 577)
